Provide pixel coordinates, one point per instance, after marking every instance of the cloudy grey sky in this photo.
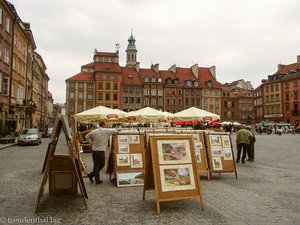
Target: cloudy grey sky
(243, 39)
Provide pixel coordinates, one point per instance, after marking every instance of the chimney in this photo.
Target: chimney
(195, 70)
(137, 67)
(298, 58)
(212, 70)
(280, 66)
(173, 68)
(155, 67)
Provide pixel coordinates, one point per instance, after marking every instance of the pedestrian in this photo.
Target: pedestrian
(243, 138)
(251, 146)
(99, 139)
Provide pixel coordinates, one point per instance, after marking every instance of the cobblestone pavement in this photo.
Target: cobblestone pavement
(266, 192)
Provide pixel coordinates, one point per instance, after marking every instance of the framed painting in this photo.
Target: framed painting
(134, 139)
(122, 139)
(131, 178)
(198, 155)
(216, 151)
(214, 139)
(136, 160)
(198, 144)
(226, 141)
(123, 148)
(123, 160)
(227, 154)
(196, 137)
(173, 151)
(177, 177)
(217, 163)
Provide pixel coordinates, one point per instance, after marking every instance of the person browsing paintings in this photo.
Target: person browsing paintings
(251, 146)
(99, 139)
(243, 138)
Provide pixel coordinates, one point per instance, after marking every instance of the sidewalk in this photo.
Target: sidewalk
(3, 146)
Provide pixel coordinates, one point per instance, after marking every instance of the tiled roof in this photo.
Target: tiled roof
(165, 74)
(148, 73)
(107, 54)
(82, 76)
(287, 68)
(107, 67)
(89, 64)
(205, 75)
(130, 76)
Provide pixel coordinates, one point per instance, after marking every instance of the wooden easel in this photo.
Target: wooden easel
(155, 177)
(228, 166)
(61, 122)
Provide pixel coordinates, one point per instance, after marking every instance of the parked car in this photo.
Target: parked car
(30, 136)
(48, 132)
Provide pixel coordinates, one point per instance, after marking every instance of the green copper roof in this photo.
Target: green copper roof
(131, 43)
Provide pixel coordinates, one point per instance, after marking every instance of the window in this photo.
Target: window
(80, 85)
(174, 101)
(153, 92)
(107, 86)
(7, 25)
(115, 97)
(276, 87)
(295, 83)
(196, 83)
(116, 86)
(168, 101)
(100, 85)
(295, 95)
(188, 83)
(90, 96)
(72, 94)
(153, 101)
(160, 92)
(90, 85)
(180, 101)
(1, 15)
(180, 92)
(125, 99)
(80, 95)
(131, 99)
(6, 55)
(72, 85)
(146, 91)
(100, 96)
(137, 100)
(287, 96)
(107, 97)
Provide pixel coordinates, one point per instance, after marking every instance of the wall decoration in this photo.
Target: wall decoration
(216, 151)
(123, 160)
(123, 148)
(198, 145)
(226, 141)
(177, 177)
(198, 155)
(227, 154)
(136, 160)
(122, 139)
(131, 178)
(196, 137)
(217, 163)
(173, 151)
(134, 139)
(214, 139)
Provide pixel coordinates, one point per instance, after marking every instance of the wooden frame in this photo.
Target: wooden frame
(130, 178)
(220, 153)
(175, 181)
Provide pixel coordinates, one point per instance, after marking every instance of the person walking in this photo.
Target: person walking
(99, 139)
(251, 146)
(243, 138)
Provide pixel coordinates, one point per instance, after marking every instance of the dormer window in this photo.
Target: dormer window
(159, 80)
(196, 84)
(153, 79)
(169, 81)
(175, 81)
(130, 76)
(146, 79)
(188, 83)
(208, 83)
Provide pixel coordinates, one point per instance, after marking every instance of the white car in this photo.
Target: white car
(30, 136)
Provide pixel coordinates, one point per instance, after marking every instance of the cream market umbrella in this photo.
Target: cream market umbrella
(169, 115)
(195, 114)
(147, 115)
(100, 113)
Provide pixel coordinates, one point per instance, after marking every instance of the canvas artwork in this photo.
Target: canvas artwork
(134, 139)
(177, 177)
(198, 145)
(123, 148)
(137, 160)
(227, 154)
(122, 139)
(217, 163)
(123, 160)
(216, 151)
(226, 141)
(198, 155)
(174, 151)
(196, 137)
(132, 178)
(215, 139)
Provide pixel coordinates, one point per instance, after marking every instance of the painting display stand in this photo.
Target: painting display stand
(128, 149)
(220, 153)
(72, 164)
(171, 169)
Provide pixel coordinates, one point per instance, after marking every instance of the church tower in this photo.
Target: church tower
(131, 52)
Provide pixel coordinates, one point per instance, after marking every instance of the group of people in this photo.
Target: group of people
(245, 140)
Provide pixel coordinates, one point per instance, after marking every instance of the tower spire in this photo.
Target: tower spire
(131, 51)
